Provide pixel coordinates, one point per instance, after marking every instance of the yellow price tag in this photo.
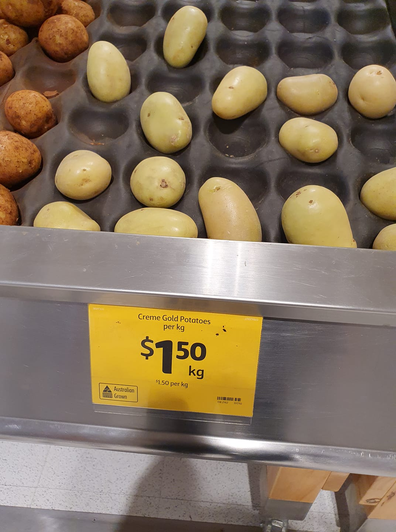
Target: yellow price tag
(174, 360)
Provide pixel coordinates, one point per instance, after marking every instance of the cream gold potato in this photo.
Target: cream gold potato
(183, 35)
(372, 91)
(83, 175)
(386, 239)
(307, 95)
(308, 140)
(64, 215)
(158, 182)
(379, 194)
(239, 92)
(165, 123)
(157, 221)
(227, 211)
(108, 74)
(315, 216)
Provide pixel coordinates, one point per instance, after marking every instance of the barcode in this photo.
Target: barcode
(235, 399)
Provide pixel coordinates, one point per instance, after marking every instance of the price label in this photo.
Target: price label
(174, 360)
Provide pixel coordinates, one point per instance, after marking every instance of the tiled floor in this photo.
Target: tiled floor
(65, 478)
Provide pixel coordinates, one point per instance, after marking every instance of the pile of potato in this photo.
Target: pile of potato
(312, 215)
(62, 33)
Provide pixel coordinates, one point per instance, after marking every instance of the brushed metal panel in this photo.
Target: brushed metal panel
(34, 520)
(316, 404)
(276, 280)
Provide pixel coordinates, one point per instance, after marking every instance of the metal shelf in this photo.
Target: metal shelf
(325, 393)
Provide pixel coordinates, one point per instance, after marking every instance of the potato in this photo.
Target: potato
(379, 194)
(307, 95)
(9, 214)
(64, 215)
(165, 123)
(227, 211)
(108, 73)
(12, 38)
(240, 91)
(83, 175)
(315, 216)
(157, 221)
(183, 36)
(6, 69)
(79, 10)
(28, 12)
(63, 38)
(158, 182)
(308, 140)
(372, 91)
(29, 113)
(20, 159)
(386, 239)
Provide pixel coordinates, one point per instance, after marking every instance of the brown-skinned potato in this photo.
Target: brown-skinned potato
(28, 13)
(6, 69)
(30, 113)
(20, 159)
(78, 9)
(9, 214)
(12, 38)
(63, 38)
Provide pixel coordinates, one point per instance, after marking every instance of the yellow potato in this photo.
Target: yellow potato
(227, 211)
(165, 123)
(183, 36)
(315, 216)
(157, 221)
(240, 91)
(372, 91)
(307, 95)
(308, 140)
(158, 182)
(386, 239)
(108, 73)
(379, 194)
(64, 215)
(83, 175)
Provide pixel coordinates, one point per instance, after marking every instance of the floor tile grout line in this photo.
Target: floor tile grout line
(164, 464)
(41, 473)
(98, 492)
(207, 502)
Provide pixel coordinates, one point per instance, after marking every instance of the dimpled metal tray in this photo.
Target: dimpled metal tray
(280, 38)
